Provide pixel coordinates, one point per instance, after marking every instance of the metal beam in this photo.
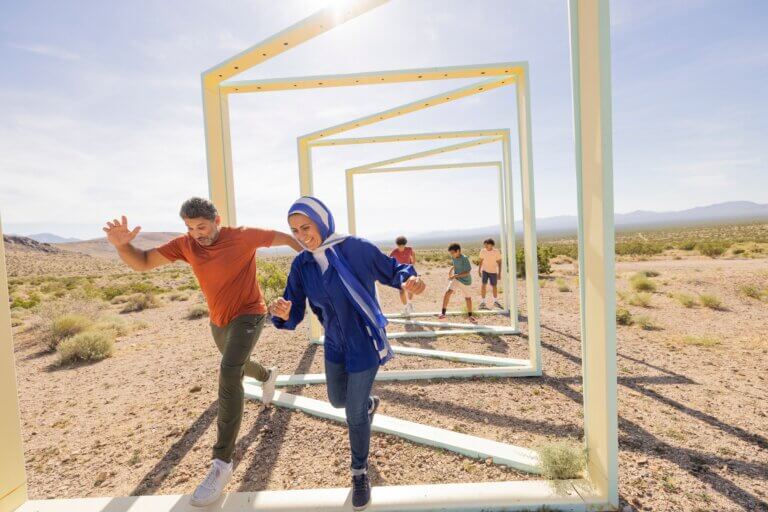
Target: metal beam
(591, 68)
(407, 137)
(13, 478)
(499, 69)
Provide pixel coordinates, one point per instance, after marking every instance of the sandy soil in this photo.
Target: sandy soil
(693, 426)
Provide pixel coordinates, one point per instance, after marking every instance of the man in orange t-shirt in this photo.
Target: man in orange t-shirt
(224, 261)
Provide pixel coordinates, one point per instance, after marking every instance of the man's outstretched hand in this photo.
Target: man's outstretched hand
(281, 308)
(118, 233)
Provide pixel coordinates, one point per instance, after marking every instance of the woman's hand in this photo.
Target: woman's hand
(280, 308)
(414, 285)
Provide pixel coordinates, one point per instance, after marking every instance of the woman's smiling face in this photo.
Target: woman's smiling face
(305, 231)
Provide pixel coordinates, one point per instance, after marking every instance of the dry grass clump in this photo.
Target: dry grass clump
(562, 460)
(645, 323)
(641, 299)
(686, 300)
(710, 301)
(140, 302)
(641, 283)
(701, 341)
(197, 311)
(623, 317)
(66, 326)
(178, 296)
(753, 292)
(87, 346)
(562, 286)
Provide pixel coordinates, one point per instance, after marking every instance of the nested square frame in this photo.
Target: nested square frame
(590, 65)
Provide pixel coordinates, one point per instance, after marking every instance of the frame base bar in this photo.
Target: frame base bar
(517, 496)
(421, 323)
(304, 379)
(448, 332)
(505, 454)
(455, 356)
(449, 313)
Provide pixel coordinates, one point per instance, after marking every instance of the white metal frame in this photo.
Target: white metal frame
(590, 52)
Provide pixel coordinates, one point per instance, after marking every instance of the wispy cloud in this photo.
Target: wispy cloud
(46, 51)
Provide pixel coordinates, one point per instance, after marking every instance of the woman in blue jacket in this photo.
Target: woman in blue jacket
(337, 273)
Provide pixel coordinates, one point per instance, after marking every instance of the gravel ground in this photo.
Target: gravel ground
(692, 419)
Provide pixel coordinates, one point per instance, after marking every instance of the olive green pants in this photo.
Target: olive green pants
(235, 341)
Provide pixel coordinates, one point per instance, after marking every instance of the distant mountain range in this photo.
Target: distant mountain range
(549, 227)
(50, 238)
(566, 225)
(100, 247)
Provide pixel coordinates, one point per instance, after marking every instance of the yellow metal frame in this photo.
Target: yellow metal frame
(590, 53)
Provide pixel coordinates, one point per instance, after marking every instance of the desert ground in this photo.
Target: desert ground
(692, 367)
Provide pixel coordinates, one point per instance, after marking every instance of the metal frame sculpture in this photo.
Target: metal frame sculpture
(598, 490)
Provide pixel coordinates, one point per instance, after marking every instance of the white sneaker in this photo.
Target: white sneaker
(406, 311)
(210, 490)
(268, 387)
(410, 307)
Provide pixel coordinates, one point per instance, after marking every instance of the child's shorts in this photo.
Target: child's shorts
(457, 286)
(492, 277)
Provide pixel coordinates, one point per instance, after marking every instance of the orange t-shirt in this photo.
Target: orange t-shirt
(226, 270)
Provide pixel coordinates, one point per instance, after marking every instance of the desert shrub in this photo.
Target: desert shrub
(753, 292)
(649, 273)
(114, 324)
(739, 250)
(623, 317)
(712, 249)
(701, 341)
(686, 300)
(87, 346)
(178, 296)
(139, 302)
(638, 248)
(190, 285)
(562, 286)
(543, 255)
(32, 300)
(562, 460)
(641, 283)
(197, 311)
(642, 299)
(687, 245)
(710, 301)
(568, 249)
(66, 326)
(120, 299)
(272, 279)
(645, 323)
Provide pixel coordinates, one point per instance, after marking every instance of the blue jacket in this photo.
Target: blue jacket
(346, 338)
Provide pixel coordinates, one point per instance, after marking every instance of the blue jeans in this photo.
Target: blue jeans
(353, 391)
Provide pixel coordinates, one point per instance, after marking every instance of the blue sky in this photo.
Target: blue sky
(102, 111)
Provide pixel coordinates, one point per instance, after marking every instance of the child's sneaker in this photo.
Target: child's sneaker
(498, 304)
(410, 308)
(441, 317)
(482, 306)
(472, 320)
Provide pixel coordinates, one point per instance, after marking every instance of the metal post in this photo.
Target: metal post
(510, 258)
(13, 478)
(351, 215)
(590, 62)
(218, 150)
(305, 189)
(529, 220)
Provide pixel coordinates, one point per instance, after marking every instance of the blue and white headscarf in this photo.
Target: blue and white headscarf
(326, 255)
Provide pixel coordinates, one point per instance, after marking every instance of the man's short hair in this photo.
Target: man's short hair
(197, 208)
(401, 240)
(489, 241)
(454, 247)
